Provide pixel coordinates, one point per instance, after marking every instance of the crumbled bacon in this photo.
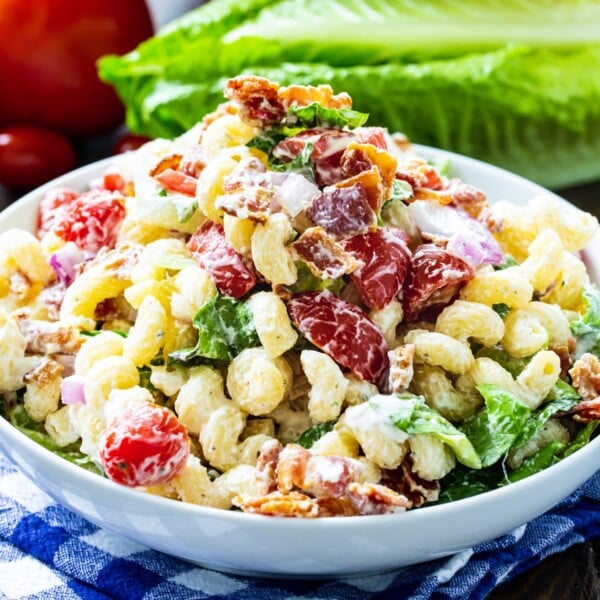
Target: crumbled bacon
(278, 504)
(258, 99)
(167, 162)
(266, 463)
(372, 135)
(375, 499)
(328, 148)
(406, 482)
(303, 95)
(401, 367)
(47, 371)
(311, 485)
(247, 192)
(586, 376)
(586, 411)
(359, 158)
(420, 174)
(467, 197)
(564, 352)
(19, 284)
(47, 337)
(51, 298)
(193, 161)
(343, 211)
(325, 257)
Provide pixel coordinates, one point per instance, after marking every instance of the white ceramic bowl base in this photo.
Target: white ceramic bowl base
(256, 545)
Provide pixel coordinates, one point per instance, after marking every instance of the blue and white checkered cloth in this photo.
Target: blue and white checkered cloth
(47, 552)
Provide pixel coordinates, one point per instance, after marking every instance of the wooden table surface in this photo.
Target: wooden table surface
(569, 575)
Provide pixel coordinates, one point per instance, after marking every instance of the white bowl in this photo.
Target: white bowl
(258, 545)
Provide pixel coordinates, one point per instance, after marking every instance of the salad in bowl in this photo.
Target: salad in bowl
(289, 313)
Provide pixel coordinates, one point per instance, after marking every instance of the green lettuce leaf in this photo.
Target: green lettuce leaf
(463, 483)
(315, 115)
(493, 430)
(302, 164)
(521, 90)
(225, 328)
(311, 435)
(308, 282)
(562, 398)
(36, 432)
(415, 417)
(587, 327)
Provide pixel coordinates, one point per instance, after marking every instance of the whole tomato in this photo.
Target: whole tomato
(30, 156)
(146, 445)
(48, 51)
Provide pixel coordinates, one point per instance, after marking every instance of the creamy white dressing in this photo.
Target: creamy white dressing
(376, 413)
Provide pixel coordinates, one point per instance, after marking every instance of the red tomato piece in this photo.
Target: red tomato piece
(92, 220)
(385, 261)
(211, 250)
(435, 278)
(145, 445)
(30, 156)
(343, 211)
(53, 206)
(343, 331)
(177, 181)
(114, 182)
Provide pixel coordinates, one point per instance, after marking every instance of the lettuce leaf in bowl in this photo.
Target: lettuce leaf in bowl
(513, 83)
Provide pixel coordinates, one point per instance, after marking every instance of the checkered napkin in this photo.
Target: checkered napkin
(47, 552)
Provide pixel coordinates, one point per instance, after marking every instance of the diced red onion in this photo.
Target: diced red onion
(71, 390)
(467, 238)
(64, 262)
(294, 193)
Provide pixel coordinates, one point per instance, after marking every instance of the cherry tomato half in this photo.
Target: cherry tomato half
(30, 156)
(146, 445)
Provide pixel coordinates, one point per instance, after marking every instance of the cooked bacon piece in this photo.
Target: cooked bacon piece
(266, 463)
(401, 367)
(303, 95)
(435, 278)
(420, 174)
(329, 506)
(19, 284)
(328, 148)
(360, 158)
(372, 184)
(343, 211)
(47, 337)
(467, 197)
(325, 257)
(167, 162)
(586, 376)
(258, 99)
(586, 411)
(177, 181)
(299, 469)
(278, 504)
(375, 499)
(441, 197)
(384, 260)
(211, 250)
(371, 135)
(406, 482)
(45, 373)
(193, 161)
(51, 298)
(247, 192)
(343, 331)
(564, 352)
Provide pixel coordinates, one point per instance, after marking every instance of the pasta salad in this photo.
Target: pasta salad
(287, 312)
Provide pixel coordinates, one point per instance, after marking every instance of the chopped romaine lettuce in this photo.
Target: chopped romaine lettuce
(308, 282)
(493, 430)
(415, 417)
(302, 164)
(225, 328)
(315, 115)
(36, 432)
(310, 436)
(587, 327)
